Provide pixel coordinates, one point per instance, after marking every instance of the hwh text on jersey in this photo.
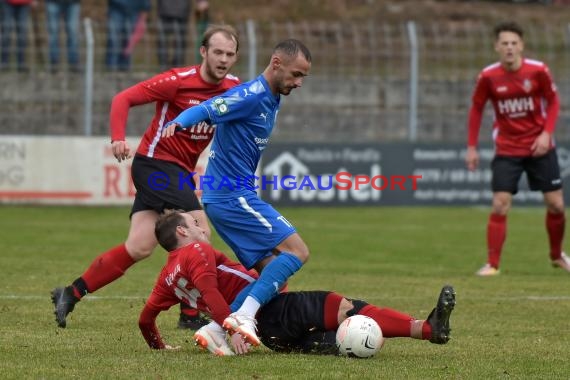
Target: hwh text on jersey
(515, 106)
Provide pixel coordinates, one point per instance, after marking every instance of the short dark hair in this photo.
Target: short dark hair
(291, 47)
(227, 30)
(508, 26)
(165, 229)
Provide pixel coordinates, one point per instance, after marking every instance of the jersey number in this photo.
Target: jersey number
(189, 296)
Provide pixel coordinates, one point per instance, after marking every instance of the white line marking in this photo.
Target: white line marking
(86, 298)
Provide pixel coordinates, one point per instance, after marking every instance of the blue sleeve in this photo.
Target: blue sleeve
(191, 116)
(234, 105)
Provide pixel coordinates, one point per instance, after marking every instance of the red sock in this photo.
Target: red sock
(332, 303)
(496, 234)
(393, 323)
(107, 267)
(555, 225)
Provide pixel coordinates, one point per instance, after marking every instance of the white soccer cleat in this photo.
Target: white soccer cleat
(563, 262)
(213, 340)
(245, 325)
(487, 270)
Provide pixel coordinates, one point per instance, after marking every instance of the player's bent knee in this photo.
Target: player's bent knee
(139, 253)
(302, 255)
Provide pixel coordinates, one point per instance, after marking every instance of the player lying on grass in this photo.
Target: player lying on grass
(295, 321)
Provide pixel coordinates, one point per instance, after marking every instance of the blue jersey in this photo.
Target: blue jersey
(244, 117)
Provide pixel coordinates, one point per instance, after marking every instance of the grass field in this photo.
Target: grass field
(514, 326)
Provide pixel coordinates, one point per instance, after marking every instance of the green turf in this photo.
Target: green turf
(514, 326)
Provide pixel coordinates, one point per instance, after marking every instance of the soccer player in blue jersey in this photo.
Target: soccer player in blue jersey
(259, 235)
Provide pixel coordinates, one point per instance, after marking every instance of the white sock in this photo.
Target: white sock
(214, 326)
(249, 307)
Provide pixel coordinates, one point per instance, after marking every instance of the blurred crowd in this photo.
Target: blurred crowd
(45, 23)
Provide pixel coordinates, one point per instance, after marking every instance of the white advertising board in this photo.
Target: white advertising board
(65, 170)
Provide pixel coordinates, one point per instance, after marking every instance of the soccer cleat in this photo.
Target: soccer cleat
(487, 270)
(213, 341)
(243, 324)
(192, 322)
(562, 262)
(439, 317)
(64, 301)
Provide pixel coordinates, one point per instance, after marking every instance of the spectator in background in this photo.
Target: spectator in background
(15, 16)
(202, 16)
(126, 20)
(173, 17)
(68, 10)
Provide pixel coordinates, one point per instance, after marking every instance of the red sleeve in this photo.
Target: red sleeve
(202, 267)
(551, 96)
(149, 330)
(219, 308)
(157, 88)
(480, 96)
(122, 102)
(160, 299)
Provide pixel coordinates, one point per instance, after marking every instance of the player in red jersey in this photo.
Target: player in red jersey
(159, 162)
(293, 321)
(526, 106)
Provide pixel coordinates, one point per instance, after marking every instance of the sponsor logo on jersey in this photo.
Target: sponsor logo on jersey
(261, 141)
(502, 89)
(193, 101)
(199, 137)
(264, 116)
(515, 106)
(201, 131)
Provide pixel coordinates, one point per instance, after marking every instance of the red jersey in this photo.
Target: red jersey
(173, 91)
(525, 103)
(202, 277)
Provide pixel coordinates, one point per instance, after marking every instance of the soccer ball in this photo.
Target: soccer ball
(359, 336)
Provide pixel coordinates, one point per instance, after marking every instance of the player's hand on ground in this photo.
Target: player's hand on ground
(472, 158)
(171, 348)
(541, 144)
(171, 129)
(121, 150)
(239, 345)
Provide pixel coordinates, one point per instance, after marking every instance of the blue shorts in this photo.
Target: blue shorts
(251, 227)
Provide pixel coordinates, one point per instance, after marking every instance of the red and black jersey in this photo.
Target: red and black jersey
(525, 102)
(203, 278)
(173, 91)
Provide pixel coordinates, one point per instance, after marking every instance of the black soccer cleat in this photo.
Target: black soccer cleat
(192, 322)
(64, 302)
(439, 317)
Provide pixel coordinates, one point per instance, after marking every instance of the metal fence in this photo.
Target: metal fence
(369, 82)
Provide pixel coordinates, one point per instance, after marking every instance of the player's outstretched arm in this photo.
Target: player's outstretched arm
(186, 119)
(149, 330)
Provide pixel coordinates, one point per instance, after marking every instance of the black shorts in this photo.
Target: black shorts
(162, 185)
(294, 322)
(543, 173)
